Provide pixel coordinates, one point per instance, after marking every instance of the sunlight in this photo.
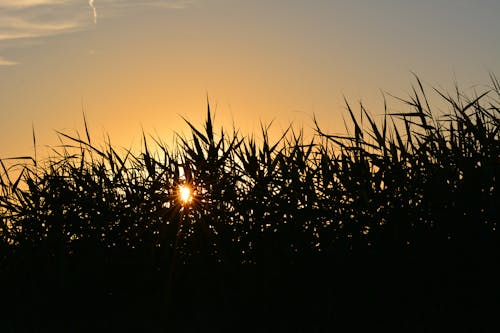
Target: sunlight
(185, 194)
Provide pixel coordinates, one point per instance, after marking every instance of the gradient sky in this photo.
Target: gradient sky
(143, 63)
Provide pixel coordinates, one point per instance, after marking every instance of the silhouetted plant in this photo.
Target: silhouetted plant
(416, 185)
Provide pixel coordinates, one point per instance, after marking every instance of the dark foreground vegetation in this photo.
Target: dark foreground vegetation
(394, 225)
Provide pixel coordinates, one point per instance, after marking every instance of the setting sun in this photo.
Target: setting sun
(185, 194)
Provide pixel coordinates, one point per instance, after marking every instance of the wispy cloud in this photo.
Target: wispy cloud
(29, 19)
(18, 27)
(36, 18)
(94, 10)
(5, 62)
(28, 3)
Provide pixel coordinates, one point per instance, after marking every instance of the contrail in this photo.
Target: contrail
(91, 4)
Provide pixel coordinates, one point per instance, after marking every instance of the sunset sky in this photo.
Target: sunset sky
(133, 64)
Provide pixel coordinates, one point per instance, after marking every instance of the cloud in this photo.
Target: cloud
(17, 27)
(5, 62)
(35, 18)
(28, 3)
(21, 19)
(94, 10)
(30, 19)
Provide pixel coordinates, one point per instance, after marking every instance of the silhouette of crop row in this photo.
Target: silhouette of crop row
(417, 186)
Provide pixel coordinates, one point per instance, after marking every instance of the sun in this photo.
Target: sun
(185, 194)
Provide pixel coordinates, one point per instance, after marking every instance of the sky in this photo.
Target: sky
(134, 65)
